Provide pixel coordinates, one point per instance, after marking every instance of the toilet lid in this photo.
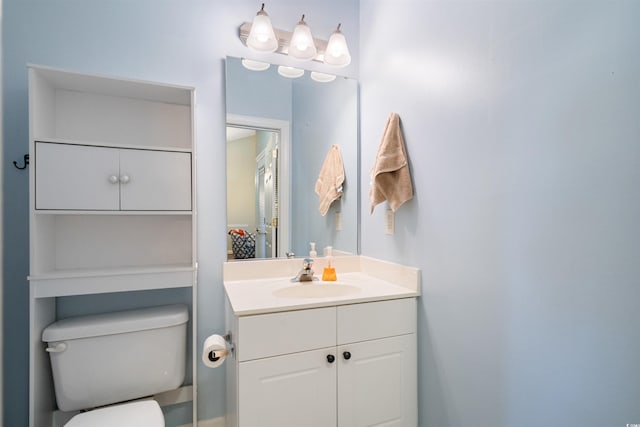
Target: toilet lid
(145, 413)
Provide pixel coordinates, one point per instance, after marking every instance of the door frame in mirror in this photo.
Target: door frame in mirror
(283, 127)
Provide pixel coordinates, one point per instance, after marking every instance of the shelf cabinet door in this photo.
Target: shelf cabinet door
(377, 383)
(293, 390)
(155, 180)
(76, 177)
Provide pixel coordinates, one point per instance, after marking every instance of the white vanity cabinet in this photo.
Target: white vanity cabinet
(297, 389)
(377, 370)
(347, 366)
(82, 177)
(112, 190)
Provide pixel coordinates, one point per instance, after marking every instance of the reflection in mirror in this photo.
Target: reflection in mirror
(280, 131)
(252, 188)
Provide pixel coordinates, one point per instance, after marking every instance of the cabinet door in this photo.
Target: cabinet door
(155, 180)
(377, 383)
(288, 391)
(76, 177)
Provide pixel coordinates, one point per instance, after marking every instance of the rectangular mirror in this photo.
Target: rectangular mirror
(279, 133)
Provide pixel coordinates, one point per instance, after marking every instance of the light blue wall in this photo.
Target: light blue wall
(257, 93)
(521, 122)
(324, 114)
(160, 40)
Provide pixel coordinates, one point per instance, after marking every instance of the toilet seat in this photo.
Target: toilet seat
(145, 413)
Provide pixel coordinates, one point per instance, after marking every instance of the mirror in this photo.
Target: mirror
(279, 132)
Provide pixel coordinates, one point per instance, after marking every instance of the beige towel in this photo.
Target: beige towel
(390, 176)
(329, 183)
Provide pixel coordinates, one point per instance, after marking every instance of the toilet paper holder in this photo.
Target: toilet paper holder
(214, 356)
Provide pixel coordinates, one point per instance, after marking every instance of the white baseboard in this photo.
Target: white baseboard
(212, 422)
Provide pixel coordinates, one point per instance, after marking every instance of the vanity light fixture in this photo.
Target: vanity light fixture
(262, 38)
(322, 77)
(254, 65)
(290, 72)
(337, 52)
(301, 45)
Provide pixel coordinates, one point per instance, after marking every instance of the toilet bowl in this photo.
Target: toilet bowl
(111, 358)
(146, 413)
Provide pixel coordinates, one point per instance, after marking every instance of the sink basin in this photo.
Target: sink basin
(316, 290)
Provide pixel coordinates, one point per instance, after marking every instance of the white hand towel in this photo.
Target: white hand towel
(390, 175)
(329, 183)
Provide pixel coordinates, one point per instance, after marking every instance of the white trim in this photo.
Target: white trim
(284, 171)
(194, 251)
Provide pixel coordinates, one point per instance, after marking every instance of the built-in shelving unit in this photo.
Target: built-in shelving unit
(112, 194)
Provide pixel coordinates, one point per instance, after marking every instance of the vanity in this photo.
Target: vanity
(321, 353)
(310, 354)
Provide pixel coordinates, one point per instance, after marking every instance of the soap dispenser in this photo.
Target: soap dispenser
(329, 273)
(312, 250)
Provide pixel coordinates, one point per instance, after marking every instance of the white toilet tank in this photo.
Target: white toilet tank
(107, 358)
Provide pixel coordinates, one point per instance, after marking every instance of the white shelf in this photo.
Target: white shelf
(120, 87)
(109, 112)
(116, 213)
(84, 282)
(55, 140)
(109, 242)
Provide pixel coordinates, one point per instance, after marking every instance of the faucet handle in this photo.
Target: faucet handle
(307, 263)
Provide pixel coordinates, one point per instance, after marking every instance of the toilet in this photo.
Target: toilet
(100, 361)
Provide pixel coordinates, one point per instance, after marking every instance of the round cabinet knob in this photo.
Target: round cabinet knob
(346, 355)
(331, 358)
(124, 179)
(113, 179)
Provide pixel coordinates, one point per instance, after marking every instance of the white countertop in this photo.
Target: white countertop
(256, 287)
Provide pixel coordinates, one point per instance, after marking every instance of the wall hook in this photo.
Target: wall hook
(26, 162)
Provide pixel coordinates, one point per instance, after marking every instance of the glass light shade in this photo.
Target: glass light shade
(253, 65)
(337, 53)
(322, 77)
(302, 45)
(290, 72)
(262, 38)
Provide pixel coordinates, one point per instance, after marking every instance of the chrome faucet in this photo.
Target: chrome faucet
(306, 274)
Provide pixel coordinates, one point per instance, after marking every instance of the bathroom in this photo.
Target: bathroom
(520, 120)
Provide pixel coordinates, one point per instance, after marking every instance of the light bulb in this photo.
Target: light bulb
(262, 37)
(302, 45)
(322, 77)
(290, 72)
(254, 65)
(337, 52)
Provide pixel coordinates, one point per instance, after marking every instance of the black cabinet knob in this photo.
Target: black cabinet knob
(346, 355)
(331, 358)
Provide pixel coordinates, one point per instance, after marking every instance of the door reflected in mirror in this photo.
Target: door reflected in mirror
(252, 192)
(284, 128)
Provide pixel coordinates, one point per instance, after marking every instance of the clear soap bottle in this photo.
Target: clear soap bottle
(312, 250)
